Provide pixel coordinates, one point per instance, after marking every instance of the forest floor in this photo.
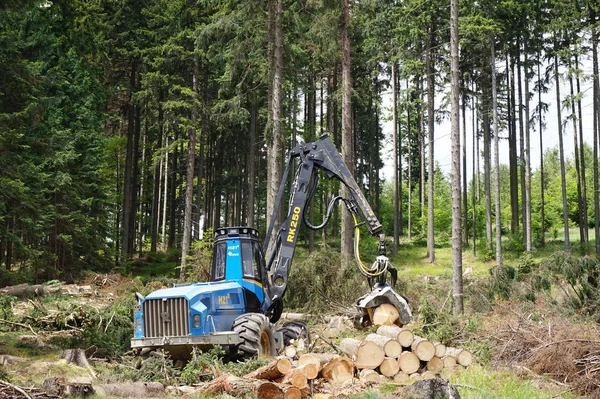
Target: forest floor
(524, 348)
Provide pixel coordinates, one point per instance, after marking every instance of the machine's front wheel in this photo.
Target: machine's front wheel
(256, 336)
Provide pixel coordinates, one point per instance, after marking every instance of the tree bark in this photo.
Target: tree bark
(430, 128)
(542, 176)
(562, 156)
(275, 135)
(577, 164)
(131, 169)
(527, 154)
(457, 281)
(596, 95)
(156, 184)
(582, 158)
(395, 157)
(496, 158)
(190, 170)
(512, 144)
(347, 134)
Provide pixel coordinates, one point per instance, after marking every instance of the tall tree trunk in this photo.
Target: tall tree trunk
(141, 215)
(527, 153)
(312, 127)
(474, 186)
(131, 169)
(542, 176)
(165, 196)
(487, 170)
(275, 136)
(400, 194)
(172, 204)
(422, 147)
(156, 185)
(576, 152)
(584, 202)
(521, 142)
(347, 134)
(512, 149)
(190, 172)
(596, 95)
(465, 195)
(457, 282)
(395, 156)
(496, 158)
(562, 155)
(409, 147)
(251, 163)
(430, 131)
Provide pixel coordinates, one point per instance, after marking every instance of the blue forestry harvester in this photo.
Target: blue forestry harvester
(245, 293)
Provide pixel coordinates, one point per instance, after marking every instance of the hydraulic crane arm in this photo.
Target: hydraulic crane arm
(320, 154)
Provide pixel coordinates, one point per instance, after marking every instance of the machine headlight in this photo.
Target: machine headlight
(196, 321)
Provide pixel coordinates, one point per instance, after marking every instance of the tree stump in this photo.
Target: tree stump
(436, 388)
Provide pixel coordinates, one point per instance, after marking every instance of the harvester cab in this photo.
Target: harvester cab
(245, 293)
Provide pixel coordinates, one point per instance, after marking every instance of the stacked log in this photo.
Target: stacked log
(396, 353)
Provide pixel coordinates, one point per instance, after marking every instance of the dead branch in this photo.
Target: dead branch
(12, 323)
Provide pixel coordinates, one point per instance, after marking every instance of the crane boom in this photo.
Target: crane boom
(318, 155)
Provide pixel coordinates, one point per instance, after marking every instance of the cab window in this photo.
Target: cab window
(250, 268)
(219, 261)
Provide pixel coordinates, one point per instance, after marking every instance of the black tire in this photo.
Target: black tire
(256, 336)
(294, 330)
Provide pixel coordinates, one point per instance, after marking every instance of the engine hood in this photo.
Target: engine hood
(191, 291)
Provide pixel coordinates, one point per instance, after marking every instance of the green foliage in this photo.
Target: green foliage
(202, 366)
(318, 281)
(577, 277)
(201, 258)
(6, 308)
(436, 324)
(501, 281)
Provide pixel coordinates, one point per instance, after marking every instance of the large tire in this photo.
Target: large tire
(256, 336)
(293, 331)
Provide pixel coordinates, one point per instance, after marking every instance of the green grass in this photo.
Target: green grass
(481, 383)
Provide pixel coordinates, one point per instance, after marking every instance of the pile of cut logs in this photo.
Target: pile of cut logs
(396, 353)
(391, 355)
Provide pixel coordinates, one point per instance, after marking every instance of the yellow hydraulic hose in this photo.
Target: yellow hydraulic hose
(368, 271)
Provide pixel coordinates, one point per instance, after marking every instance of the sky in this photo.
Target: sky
(442, 153)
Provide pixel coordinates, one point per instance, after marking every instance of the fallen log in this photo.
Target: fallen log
(368, 375)
(440, 349)
(318, 359)
(391, 347)
(349, 346)
(462, 356)
(338, 370)
(24, 290)
(389, 367)
(369, 355)
(409, 362)
(310, 370)
(423, 348)
(385, 314)
(435, 365)
(403, 335)
(449, 362)
(269, 390)
(401, 378)
(131, 389)
(276, 369)
(296, 378)
(292, 393)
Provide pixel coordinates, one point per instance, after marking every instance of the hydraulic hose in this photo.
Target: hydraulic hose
(369, 272)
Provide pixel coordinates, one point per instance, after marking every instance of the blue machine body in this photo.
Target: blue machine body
(236, 288)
